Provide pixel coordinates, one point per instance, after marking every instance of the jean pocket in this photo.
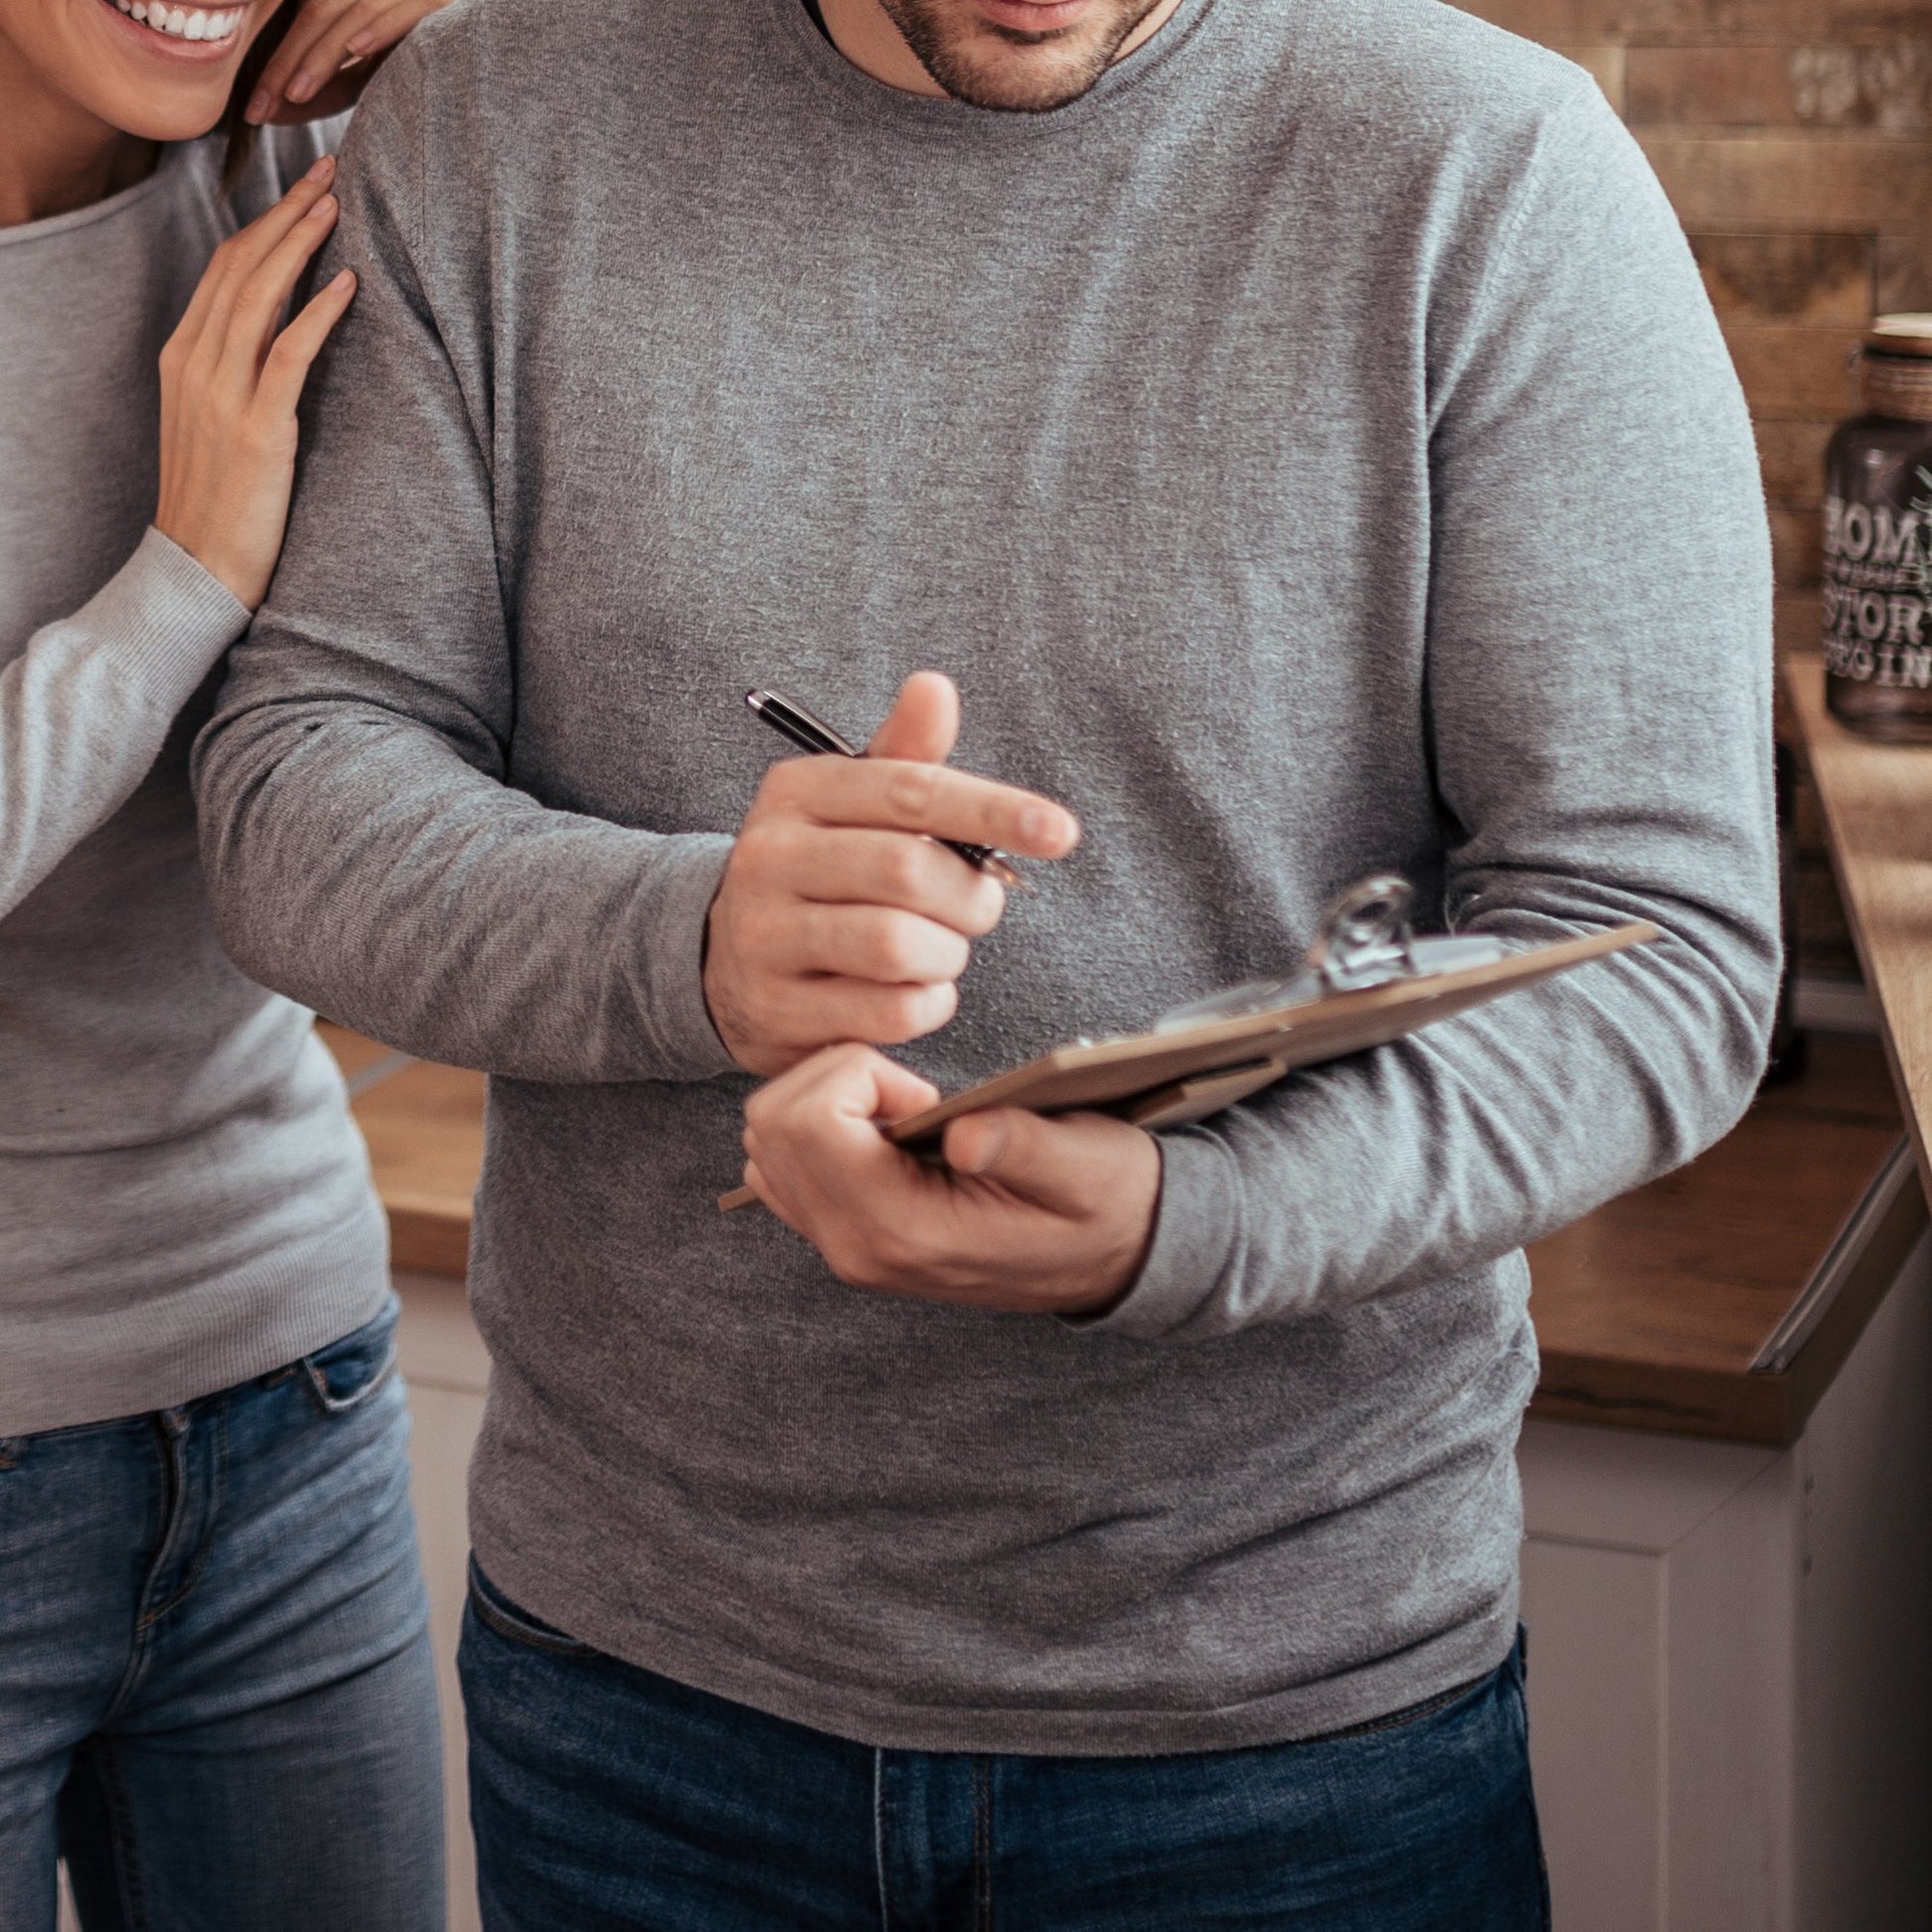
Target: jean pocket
(496, 1613)
(349, 1373)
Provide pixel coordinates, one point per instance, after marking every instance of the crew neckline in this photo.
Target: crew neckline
(173, 156)
(928, 115)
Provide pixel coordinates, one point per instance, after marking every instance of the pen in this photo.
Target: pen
(811, 734)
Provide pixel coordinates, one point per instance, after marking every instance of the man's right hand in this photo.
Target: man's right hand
(838, 917)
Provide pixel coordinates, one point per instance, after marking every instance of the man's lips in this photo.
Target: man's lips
(159, 35)
(1033, 16)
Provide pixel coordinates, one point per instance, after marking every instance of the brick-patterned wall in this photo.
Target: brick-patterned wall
(1794, 137)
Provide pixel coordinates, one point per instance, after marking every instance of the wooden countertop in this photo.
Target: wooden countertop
(1661, 1310)
(1877, 801)
(424, 1124)
(1721, 1300)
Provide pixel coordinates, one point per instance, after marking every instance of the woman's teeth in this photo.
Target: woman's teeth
(185, 22)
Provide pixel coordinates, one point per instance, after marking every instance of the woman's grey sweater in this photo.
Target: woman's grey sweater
(184, 1201)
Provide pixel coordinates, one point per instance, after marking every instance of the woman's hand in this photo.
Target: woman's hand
(229, 384)
(306, 78)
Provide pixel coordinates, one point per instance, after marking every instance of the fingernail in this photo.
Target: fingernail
(1041, 822)
(300, 89)
(361, 42)
(345, 280)
(323, 210)
(258, 108)
(319, 170)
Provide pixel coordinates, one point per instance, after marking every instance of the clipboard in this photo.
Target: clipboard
(1367, 981)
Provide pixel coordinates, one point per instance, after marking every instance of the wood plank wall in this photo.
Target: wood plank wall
(1794, 137)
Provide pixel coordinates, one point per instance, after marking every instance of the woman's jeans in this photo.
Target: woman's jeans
(216, 1692)
(606, 1797)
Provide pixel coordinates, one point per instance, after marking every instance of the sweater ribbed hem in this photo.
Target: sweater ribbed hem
(542, 1581)
(169, 618)
(299, 1299)
(1195, 1231)
(672, 917)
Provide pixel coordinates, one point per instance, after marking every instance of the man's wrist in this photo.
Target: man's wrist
(667, 948)
(1121, 1274)
(729, 1021)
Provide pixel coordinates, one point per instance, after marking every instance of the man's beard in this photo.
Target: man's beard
(964, 54)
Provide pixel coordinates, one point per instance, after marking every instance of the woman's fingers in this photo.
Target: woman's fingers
(228, 392)
(238, 255)
(244, 251)
(312, 21)
(337, 95)
(259, 302)
(288, 360)
(324, 33)
(228, 443)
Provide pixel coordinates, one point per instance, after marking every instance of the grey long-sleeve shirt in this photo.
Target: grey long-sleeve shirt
(183, 1201)
(1310, 452)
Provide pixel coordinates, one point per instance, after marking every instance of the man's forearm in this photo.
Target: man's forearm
(356, 863)
(1421, 1159)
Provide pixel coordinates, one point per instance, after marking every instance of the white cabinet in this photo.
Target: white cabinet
(1730, 1659)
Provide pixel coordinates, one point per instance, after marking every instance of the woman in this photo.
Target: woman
(215, 1690)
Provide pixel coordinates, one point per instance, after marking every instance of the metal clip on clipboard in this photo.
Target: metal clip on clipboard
(1364, 940)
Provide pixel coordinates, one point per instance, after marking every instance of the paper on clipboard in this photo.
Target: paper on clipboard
(1169, 1078)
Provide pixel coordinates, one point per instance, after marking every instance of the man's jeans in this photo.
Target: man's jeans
(215, 1689)
(606, 1797)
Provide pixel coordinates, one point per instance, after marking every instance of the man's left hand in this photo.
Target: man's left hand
(1032, 1215)
(306, 78)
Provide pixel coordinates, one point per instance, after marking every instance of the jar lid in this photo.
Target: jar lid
(1908, 333)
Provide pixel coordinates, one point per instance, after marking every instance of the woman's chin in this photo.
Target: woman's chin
(168, 82)
(139, 113)
(183, 110)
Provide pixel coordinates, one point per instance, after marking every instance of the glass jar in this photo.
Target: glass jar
(1877, 564)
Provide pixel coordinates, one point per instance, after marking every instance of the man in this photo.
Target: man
(1302, 435)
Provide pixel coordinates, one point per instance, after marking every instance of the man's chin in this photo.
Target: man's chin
(1017, 86)
(984, 64)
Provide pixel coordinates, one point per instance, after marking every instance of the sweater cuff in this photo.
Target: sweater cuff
(1196, 1235)
(670, 993)
(168, 617)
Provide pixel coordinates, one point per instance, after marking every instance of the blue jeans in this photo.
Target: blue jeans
(216, 1699)
(606, 1797)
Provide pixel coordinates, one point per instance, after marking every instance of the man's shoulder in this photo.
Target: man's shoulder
(491, 105)
(1402, 76)
(531, 57)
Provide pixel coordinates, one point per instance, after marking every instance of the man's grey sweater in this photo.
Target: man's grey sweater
(1310, 452)
(184, 1201)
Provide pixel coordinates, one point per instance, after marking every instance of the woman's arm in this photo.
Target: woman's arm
(86, 706)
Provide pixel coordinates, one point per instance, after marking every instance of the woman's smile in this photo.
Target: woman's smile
(195, 33)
